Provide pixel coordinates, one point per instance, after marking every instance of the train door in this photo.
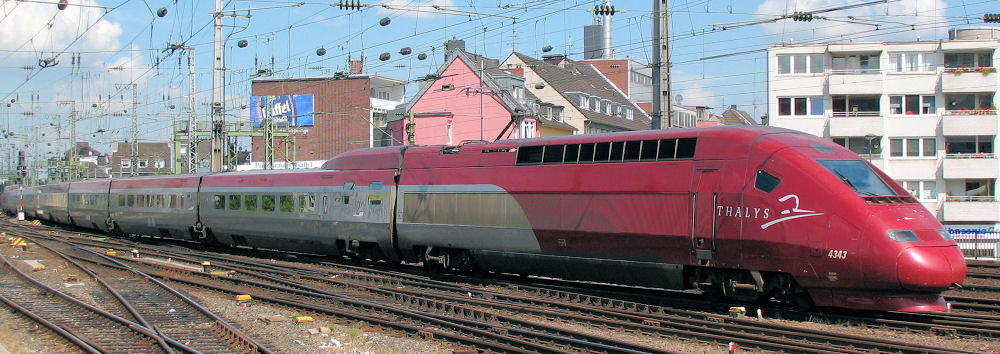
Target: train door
(704, 199)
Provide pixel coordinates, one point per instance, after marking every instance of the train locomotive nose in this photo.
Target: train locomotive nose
(930, 269)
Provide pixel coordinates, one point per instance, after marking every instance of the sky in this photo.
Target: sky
(96, 55)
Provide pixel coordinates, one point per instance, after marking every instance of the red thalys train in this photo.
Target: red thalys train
(748, 213)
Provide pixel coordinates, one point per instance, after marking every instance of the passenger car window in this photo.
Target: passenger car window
(267, 203)
(220, 201)
(234, 202)
(250, 202)
(286, 203)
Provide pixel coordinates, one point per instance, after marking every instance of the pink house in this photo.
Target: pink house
(457, 104)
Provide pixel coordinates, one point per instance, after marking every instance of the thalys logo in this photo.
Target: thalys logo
(765, 213)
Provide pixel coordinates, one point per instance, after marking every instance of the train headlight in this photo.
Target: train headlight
(945, 235)
(902, 236)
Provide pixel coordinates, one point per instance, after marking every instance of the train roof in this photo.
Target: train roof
(723, 142)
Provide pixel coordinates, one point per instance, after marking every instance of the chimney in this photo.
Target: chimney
(357, 66)
(453, 44)
(732, 107)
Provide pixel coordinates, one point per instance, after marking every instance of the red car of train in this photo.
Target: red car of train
(748, 213)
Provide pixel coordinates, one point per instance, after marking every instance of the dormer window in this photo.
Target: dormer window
(583, 102)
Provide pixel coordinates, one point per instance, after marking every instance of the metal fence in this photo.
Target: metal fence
(977, 244)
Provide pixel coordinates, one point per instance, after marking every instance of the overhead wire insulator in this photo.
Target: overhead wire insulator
(802, 16)
(349, 5)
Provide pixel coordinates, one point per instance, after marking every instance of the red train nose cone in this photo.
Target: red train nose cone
(930, 269)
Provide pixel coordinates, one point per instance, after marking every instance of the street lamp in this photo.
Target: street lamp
(870, 137)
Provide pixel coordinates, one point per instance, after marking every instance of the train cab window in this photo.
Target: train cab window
(601, 152)
(220, 201)
(572, 153)
(857, 175)
(375, 186)
(685, 148)
(617, 151)
(766, 182)
(286, 203)
(235, 202)
(632, 149)
(348, 186)
(250, 202)
(586, 153)
(553, 154)
(668, 147)
(267, 203)
(529, 155)
(649, 150)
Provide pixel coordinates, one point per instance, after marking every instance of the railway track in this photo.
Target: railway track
(569, 307)
(468, 305)
(154, 305)
(88, 327)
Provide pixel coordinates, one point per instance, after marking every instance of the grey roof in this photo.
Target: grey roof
(582, 77)
(544, 120)
(733, 116)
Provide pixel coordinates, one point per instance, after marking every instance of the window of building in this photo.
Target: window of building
(856, 106)
(126, 164)
(913, 147)
(628, 114)
(912, 62)
(143, 163)
(449, 127)
(527, 129)
(861, 145)
(800, 106)
(800, 64)
(923, 190)
(968, 60)
(584, 102)
(855, 64)
(969, 101)
(911, 105)
(969, 146)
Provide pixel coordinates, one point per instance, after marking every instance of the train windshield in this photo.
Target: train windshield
(858, 175)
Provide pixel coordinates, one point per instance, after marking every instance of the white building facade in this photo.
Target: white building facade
(924, 112)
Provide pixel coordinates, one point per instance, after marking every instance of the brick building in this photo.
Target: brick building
(345, 112)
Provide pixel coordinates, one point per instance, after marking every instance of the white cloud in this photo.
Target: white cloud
(894, 19)
(44, 28)
(416, 9)
(698, 95)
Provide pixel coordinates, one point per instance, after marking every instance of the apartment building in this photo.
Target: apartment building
(924, 112)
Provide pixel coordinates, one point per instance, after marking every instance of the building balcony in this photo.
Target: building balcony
(856, 124)
(969, 79)
(855, 82)
(971, 209)
(968, 122)
(973, 165)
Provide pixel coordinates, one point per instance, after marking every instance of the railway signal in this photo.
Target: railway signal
(802, 16)
(991, 18)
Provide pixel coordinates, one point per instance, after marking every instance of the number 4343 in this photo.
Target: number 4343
(837, 254)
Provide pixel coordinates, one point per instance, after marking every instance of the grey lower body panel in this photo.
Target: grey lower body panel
(295, 234)
(649, 274)
(411, 235)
